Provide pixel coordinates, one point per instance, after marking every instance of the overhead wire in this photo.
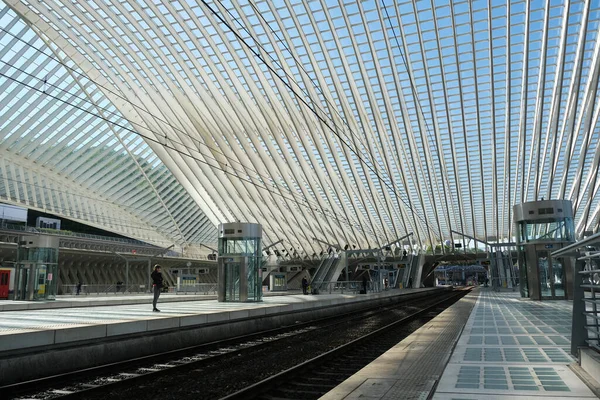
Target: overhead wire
(292, 79)
(269, 178)
(321, 119)
(414, 90)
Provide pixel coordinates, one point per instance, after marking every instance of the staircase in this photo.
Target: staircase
(329, 270)
(412, 271)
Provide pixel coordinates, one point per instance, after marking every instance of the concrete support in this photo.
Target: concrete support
(148, 273)
(417, 273)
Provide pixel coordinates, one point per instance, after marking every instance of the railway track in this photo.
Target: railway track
(317, 376)
(96, 382)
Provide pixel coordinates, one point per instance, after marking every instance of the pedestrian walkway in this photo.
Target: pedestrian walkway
(94, 301)
(513, 348)
(488, 345)
(73, 301)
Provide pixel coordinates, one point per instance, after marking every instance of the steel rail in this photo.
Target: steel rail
(267, 384)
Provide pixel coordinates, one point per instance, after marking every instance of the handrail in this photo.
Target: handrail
(109, 239)
(102, 289)
(343, 287)
(586, 289)
(590, 292)
(64, 233)
(584, 242)
(205, 288)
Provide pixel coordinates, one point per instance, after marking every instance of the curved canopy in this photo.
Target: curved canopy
(350, 122)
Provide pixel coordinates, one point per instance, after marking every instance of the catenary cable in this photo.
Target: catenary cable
(323, 121)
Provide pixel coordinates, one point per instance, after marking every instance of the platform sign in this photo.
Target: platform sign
(549, 246)
(188, 280)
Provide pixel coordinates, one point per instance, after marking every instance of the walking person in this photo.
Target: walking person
(304, 285)
(157, 284)
(78, 288)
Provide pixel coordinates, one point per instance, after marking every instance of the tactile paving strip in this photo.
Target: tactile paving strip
(510, 378)
(513, 348)
(520, 354)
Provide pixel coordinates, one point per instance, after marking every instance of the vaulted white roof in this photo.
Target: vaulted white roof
(353, 122)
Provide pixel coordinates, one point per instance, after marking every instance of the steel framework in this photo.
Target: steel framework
(352, 121)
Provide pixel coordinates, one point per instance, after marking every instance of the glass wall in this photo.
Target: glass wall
(562, 231)
(250, 248)
(36, 274)
(239, 246)
(523, 282)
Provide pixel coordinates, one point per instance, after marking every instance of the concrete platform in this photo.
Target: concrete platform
(410, 369)
(93, 301)
(71, 301)
(513, 348)
(510, 348)
(33, 341)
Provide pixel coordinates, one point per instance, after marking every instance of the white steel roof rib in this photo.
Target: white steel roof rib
(352, 122)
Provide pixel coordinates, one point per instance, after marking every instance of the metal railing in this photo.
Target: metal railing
(137, 244)
(590, 283)
(58, 232)
(197, 288)
(341, 287)
(585, 328)
(99, 290)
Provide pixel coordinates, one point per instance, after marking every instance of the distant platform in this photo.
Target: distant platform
(33, 342)
(72, 301)
(31, 327)
(97, 300)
